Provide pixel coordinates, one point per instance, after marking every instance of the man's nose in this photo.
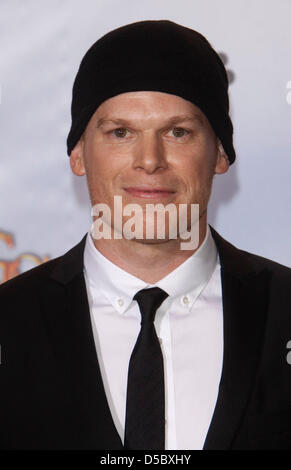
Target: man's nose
(150, 154)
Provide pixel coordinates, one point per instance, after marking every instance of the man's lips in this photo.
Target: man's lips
(149, 192)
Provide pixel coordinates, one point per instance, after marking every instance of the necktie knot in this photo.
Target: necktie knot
(149, 300)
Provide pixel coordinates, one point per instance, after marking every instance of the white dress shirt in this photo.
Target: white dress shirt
(189, 324)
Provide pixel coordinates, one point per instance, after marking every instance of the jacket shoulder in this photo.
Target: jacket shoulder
(30, 279)
(40, 277)
(268, 264)
(241, 263)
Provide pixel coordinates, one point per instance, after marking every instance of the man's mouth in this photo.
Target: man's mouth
(149, 192)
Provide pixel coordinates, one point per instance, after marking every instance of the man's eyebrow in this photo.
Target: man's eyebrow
(173, 120)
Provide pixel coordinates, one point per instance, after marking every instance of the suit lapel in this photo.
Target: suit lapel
(244, 296)
(69, 328)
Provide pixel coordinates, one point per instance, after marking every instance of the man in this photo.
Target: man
(131, 342)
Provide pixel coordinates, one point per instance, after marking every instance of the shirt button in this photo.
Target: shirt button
(185, 300)
(120, 302)
(160, 340)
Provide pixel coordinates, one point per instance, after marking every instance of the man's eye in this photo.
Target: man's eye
(120, 132)
(179, 132)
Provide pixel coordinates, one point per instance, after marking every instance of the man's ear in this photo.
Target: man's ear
(222, 162)
(77, 158)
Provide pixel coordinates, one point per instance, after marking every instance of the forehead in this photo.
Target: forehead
(149, 103)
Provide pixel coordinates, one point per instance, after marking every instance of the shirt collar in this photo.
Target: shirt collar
(184, 284)
(188, 280)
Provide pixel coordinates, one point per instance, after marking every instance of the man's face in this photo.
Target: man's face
(142, 141)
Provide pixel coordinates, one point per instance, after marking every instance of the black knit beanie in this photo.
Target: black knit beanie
(153, 56)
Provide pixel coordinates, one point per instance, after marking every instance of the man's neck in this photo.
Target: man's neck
(147, 261)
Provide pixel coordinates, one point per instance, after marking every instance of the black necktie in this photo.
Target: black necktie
(145, 404)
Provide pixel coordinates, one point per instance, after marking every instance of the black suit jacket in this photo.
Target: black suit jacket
(51, 391)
